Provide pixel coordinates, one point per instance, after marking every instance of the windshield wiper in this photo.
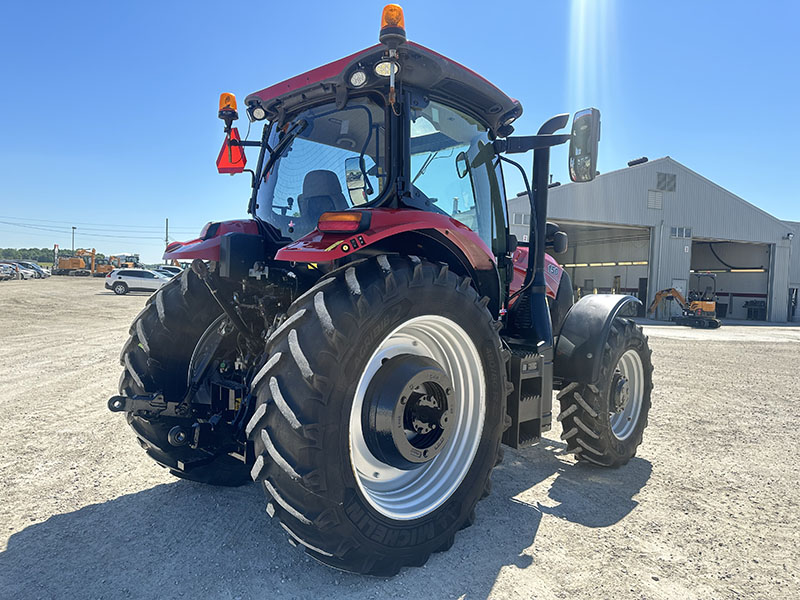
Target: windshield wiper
(296, 129)
(424, 166)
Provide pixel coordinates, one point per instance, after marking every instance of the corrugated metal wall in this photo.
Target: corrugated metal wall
(631, 197)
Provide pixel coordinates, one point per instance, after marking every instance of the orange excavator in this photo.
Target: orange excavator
(84, 263)
(98, 267)
(700, 311)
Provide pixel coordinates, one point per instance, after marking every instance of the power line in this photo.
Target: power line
(87, 225)
(68, 232)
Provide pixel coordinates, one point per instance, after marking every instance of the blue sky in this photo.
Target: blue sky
(110, 107)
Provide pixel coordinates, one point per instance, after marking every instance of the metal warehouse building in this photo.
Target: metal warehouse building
(657, 224)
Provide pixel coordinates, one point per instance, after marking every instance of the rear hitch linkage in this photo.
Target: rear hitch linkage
(147, 406)
(200, 269)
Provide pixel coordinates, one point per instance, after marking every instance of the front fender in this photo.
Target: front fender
(579, 348)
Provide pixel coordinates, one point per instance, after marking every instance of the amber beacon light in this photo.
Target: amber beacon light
(227, 108)
(393, 26)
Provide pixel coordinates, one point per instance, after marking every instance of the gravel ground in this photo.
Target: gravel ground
(708, 509)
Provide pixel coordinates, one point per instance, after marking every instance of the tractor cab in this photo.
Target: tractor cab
(402, 128)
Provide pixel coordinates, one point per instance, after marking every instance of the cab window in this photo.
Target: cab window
(453, 165)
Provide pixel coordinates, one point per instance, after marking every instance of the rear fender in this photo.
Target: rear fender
(579, 347)
(433, 236)
(318, 247)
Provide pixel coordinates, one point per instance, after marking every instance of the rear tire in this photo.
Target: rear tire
(306, 427)
(599, 425)
(120, 289)
(156, 359)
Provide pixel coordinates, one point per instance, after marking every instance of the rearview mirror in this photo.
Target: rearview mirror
(583, 145)
(462, 165)
(355, 175)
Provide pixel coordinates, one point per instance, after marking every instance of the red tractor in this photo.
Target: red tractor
(367, 339)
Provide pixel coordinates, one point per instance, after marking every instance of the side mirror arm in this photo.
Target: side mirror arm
(524, 143)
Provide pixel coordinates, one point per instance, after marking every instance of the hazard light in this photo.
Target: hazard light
(227, 107)
(393, 26)
(351, 221)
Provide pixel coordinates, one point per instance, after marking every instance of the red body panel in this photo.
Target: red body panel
(311, 77)
(207, 247)
(325, 247)
(334, 72)
(552, 271)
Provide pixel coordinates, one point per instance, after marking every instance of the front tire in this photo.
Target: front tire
(353, 500)
(603, 424)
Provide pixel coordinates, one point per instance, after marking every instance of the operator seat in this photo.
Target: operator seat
(321, 192)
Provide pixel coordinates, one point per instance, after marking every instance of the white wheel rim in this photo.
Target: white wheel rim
(624, 422)
(406, 495)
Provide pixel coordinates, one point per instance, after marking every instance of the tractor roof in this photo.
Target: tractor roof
(437, 76)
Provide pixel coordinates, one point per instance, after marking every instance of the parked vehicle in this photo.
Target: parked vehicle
(122, 281)
(6, 272)
(165, 272)
(172, 269)
(42, 272)
(22, 272)
(363, 344)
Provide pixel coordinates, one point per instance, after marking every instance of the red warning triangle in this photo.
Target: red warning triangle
(231, 159)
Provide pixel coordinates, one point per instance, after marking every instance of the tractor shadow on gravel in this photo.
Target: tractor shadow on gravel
(187, 540)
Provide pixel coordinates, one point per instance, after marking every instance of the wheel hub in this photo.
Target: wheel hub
(408, 413)
(621, 393)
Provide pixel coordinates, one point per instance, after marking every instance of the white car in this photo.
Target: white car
(172, 269)
(41, 272)
(122, 281)
(20, 272)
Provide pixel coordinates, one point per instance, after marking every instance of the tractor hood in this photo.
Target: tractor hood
(442, 79)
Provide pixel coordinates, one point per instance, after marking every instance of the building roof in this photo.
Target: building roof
(631, 196)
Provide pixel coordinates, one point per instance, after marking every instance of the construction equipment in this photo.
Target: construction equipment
(102, 267)
(84, 263)
(363, 344)
(80, 265)
(125, 261)
(700, 309)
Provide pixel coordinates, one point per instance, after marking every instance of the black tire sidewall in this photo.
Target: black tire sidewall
(120, 286)
(629, 338)
(365, 336)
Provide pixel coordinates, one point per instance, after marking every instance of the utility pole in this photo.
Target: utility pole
(73, 240)
(166, 235)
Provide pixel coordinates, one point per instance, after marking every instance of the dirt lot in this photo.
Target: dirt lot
(708, 509)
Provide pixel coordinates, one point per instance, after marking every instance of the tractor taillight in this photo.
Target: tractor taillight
(351, 221)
